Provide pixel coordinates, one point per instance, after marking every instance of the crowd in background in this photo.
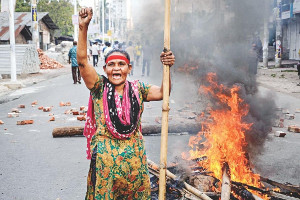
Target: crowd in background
(139, 54)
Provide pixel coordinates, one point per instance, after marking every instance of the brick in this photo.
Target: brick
(81, 118)
(11, 115)
(28, 121)
(21, 106)
(289, 116)
(20, 122)
(15, 110)
(34, 102)
(294, 128)
(82, 108)
(47, 109)
(52, 119)
(68, 104)
(1, 122)
(280, 125)
(41, 108)
(75, 113)
(67, 111)
(61, 104)
(280, 134)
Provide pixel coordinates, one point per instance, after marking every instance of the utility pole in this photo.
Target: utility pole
(13, 72)
(76, 23)
(266, 35)
(103, 21)
(109, 21)
(278, 54)
(35, 25)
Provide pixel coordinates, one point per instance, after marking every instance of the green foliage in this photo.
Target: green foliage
(23, 6)
(273, 75)
(60, 12)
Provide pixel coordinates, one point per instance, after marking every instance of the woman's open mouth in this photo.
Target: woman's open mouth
(116, 76)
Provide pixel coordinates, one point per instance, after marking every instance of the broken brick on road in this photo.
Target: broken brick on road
(24, 122)
(46, 109)
(11, 115)
(21, 106)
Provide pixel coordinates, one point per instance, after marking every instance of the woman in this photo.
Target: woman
(118, 167)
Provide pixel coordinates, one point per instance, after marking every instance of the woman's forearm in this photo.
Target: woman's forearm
(82, 47)
(87, 72)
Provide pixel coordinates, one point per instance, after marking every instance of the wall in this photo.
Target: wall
(46, 34)
(20, 39)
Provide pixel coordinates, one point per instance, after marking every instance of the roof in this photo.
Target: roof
(22, 23)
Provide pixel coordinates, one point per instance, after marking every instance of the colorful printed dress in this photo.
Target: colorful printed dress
(118, 168)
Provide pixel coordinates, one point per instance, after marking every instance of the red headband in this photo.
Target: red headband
(112, 57)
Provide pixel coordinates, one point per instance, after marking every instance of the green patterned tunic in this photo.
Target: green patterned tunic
(118, 167)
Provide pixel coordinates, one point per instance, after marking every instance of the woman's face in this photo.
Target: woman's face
(117, 70)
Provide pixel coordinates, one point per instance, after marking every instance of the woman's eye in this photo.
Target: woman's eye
(122, 63)
(110, 64)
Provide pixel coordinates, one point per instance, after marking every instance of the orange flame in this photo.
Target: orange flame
(224, 134)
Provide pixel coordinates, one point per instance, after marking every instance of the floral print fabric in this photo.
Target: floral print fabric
(118, 167)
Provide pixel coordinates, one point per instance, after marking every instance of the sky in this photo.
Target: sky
(86, 3)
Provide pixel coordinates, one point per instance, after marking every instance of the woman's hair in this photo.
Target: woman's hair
(117, 50)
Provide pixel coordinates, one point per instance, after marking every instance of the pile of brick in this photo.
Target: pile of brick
(46, 62)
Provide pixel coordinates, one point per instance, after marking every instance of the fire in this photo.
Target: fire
(224, 134)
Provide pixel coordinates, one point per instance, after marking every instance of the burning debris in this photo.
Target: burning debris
(219, 164)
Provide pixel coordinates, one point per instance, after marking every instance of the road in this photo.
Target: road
(33, 165)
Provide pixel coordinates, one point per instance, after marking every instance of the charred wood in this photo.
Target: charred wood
(154, 167)
(282, 186)
(282, 196)
(146, 130)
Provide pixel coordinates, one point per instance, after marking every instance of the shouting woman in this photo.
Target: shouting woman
(118, 168)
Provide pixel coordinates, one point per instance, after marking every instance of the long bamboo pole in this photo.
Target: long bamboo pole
(165, 108)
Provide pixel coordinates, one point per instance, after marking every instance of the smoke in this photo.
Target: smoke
(216, 36)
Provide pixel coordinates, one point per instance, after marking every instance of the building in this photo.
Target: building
(290, 20)
(23, 30)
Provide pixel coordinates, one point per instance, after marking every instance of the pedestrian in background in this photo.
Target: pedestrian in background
(298, 68)
(95, 53)
(101, 51)
(131, 51)
(74, 65)
(107, 49)
(147, 57)
(118, 168)
(138, 52)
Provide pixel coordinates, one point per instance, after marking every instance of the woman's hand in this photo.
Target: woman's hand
(85, 16)
(167, 58)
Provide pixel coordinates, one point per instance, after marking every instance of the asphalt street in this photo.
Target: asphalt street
(34, 165)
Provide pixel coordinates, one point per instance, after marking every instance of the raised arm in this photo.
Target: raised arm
(87, 71)
(156, 92)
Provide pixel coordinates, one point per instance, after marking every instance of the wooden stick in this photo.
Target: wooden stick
(153, 168)
(165, 108)
(282, 186)
(226, 185)
(282, 196)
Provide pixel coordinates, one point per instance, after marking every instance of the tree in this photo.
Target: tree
(23, 6)
(60, 12)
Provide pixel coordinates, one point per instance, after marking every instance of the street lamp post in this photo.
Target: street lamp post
(13, 72)
(35, 27)
(75, 24)
(103, 21)
(278, 54)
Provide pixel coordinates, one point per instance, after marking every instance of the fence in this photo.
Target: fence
(27, 59)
